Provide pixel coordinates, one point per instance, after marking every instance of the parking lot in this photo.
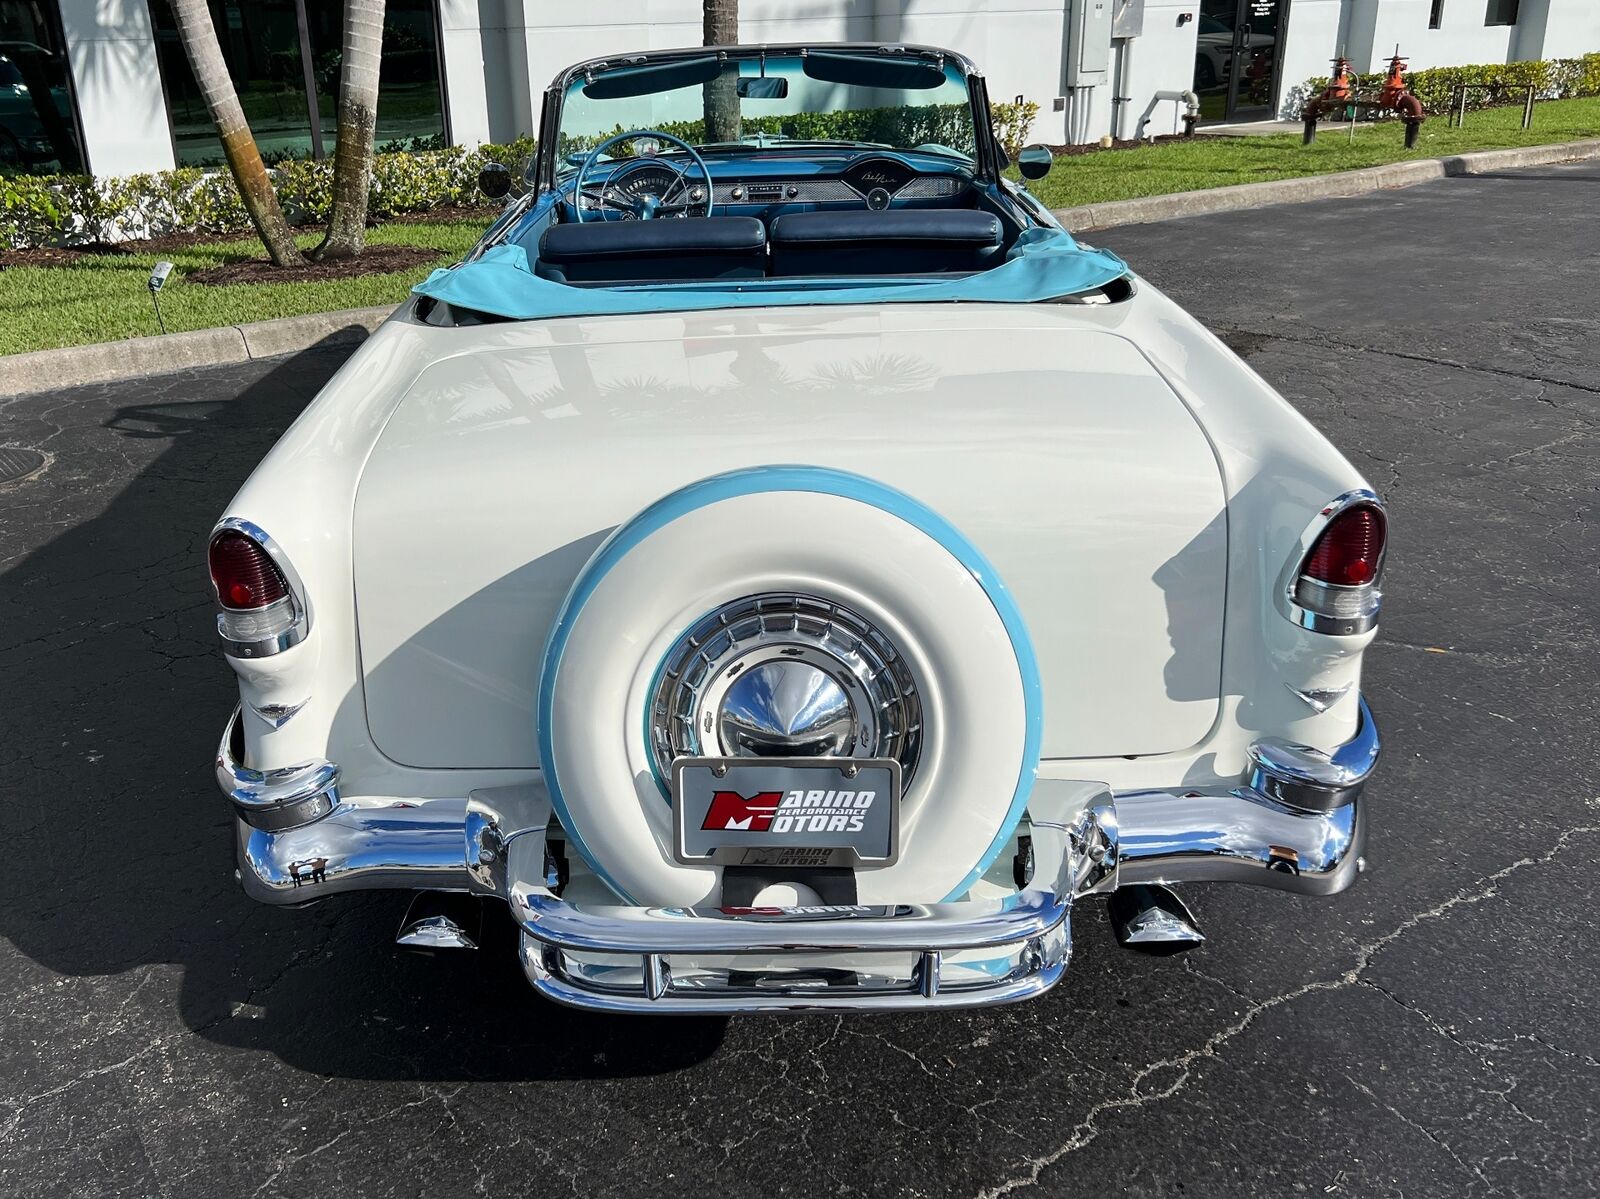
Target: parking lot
(1432, 1032)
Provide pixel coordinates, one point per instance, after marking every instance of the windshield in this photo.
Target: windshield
(755, 104)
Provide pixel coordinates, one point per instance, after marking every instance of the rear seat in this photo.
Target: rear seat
(723, 247)
(895, 242)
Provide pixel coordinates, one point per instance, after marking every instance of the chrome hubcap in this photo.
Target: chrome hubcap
(785, 708)
(785, 675)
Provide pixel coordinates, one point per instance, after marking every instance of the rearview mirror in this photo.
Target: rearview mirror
(494, 180)
(766, 87)
(1035, 161)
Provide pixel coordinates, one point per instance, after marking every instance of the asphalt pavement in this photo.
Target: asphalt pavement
(1433, 1032)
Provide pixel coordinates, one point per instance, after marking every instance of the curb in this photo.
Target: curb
(108, 361)
(1315, 187)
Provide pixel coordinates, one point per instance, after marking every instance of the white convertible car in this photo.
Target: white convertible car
(790, 571)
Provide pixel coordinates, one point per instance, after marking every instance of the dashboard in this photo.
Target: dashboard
(752, 185)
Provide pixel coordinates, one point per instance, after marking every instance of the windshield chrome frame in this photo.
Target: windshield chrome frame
(986, 161)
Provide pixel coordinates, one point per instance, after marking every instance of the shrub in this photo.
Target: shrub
(38, 210)
(1552, 79)
(1012, 123)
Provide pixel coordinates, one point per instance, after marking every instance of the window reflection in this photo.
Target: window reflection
(261, 42)
(38, 122)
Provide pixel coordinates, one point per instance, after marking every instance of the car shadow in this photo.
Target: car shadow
(119, 850)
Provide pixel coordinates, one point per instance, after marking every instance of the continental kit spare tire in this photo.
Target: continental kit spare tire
(911, 647)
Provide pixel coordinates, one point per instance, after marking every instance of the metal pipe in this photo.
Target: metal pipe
(1187, 98)
(1119, 79)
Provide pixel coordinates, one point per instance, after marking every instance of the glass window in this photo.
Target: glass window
(1501, 12)
(410, 114)
(38, 119)
(773, 102)
(1435, 14)
(261, 44)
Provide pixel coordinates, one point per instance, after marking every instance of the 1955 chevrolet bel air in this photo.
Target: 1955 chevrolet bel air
(790, 571)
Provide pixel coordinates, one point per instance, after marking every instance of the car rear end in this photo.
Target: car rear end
(1168, 580)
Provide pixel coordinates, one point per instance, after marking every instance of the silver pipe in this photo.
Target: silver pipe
(1189, 99)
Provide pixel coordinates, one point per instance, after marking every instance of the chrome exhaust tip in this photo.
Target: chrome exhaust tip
(1150, 918)
(441, 920)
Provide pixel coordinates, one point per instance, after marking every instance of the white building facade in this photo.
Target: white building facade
(470, 71)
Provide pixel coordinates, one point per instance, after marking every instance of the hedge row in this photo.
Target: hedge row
(1552, 79)
(40, 210)
(901, 125)
(79, 209)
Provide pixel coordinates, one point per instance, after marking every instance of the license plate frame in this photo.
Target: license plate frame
(829, 788)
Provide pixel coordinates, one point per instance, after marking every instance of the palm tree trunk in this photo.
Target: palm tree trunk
(721, 94)
(358, 126)
(199, 37)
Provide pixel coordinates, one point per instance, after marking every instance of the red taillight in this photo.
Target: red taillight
(1350, 550)
(244, 575)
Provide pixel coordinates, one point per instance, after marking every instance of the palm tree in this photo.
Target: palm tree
(199, 37)
(358, 123)
(721, 94)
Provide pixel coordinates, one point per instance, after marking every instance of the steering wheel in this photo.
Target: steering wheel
(650, 207)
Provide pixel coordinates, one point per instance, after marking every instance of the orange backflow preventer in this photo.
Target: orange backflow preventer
(1394, 97)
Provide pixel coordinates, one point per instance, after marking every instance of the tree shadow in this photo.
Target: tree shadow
(119, 848)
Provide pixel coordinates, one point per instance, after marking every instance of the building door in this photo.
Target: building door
(1238, 54)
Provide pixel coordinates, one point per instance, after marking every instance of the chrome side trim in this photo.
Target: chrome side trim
(1311, 779)
(277, 715)
(275, 800)
(300, 625)
(1319, 699)
(1356, 612)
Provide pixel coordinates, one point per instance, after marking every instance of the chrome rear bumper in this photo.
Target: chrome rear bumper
(1294, 823)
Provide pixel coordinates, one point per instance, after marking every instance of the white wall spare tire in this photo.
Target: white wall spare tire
(895, 608)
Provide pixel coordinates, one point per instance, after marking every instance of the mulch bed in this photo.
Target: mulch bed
(374, 260)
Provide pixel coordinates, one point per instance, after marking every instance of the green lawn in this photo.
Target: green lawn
(102, 297)
(1217, 162)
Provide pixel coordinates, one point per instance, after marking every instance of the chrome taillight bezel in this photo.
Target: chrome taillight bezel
(1332, 608)
(280, 625)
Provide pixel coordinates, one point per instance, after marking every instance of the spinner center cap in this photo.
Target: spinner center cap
(786, 708)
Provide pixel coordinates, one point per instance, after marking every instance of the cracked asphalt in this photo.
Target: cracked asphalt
(1432, 1032)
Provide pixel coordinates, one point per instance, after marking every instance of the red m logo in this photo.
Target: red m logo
(730, 810)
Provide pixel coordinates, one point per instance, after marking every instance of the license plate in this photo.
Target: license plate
(797, 812)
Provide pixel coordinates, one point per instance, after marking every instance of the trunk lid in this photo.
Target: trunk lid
(1056, 448)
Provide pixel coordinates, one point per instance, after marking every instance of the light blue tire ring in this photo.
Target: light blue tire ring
(762, 482)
